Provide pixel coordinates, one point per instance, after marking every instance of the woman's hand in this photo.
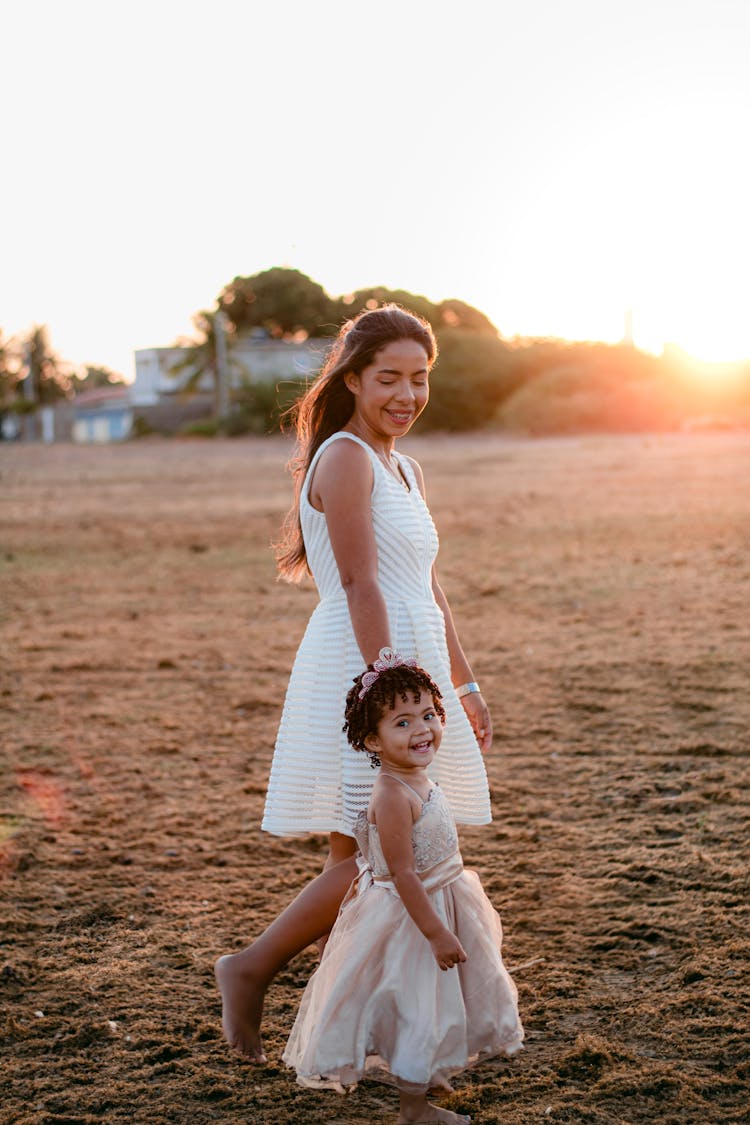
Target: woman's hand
(479, 717)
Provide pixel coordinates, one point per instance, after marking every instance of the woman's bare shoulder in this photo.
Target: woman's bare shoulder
(342, 470)
(343, 460)
(344, 451)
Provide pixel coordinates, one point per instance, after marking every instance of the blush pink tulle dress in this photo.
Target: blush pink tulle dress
(378, 1005)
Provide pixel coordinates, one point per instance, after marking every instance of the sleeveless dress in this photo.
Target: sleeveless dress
(318, 783)
(378, 1005)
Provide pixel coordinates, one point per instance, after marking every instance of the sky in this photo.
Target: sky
(553, 162)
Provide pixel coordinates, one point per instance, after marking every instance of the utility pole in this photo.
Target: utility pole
(222, 365)
(628, 334)
(29, 395)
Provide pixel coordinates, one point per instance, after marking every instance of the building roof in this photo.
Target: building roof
(100, 395)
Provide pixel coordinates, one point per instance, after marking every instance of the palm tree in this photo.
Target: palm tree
(48, 379)
(209, 355)
(9, 368)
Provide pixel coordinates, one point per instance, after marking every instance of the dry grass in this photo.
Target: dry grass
(601, 588)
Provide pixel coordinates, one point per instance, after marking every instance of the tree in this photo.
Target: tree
(474, 373)
(376, 295)
(284, 302)
(457, 314)
(94, 378)
(48, 374)
(10, 365)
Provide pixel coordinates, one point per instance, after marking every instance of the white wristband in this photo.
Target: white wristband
(467, 689)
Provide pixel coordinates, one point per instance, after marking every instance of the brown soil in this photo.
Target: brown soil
(601, 587)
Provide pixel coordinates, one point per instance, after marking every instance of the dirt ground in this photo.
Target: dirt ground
(601, 588)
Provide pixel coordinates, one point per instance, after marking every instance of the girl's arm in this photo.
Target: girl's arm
(342, 489)
(461, 673)
(393, 813)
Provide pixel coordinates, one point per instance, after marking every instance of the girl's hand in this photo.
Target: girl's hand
(479, 717)
(447, 950)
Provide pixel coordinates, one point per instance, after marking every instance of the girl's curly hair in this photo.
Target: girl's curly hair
(361, 716)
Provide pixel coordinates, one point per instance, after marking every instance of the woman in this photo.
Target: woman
(360, 525)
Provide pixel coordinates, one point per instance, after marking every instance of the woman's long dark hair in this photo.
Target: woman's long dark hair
(328, 404)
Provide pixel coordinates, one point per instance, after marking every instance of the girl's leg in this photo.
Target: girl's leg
(244, 977)
(414, 1108)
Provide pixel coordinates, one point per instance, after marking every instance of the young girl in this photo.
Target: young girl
(412, 981)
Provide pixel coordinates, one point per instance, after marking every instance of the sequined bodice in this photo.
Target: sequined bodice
(433, 835)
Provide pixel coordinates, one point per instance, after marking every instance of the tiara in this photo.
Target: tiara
(386, 660)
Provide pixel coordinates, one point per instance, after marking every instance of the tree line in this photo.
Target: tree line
(33, 374)
(481, 379)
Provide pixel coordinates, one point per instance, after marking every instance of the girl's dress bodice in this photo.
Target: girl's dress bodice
(434, 837)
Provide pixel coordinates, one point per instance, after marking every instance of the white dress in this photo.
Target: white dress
(378, 1005)
(318, 783)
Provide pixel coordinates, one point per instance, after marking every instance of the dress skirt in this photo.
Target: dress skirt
(379, 1005)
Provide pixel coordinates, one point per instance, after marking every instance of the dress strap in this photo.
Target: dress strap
(347, 437)
(408, 786)
(405, 475)
(324, 445)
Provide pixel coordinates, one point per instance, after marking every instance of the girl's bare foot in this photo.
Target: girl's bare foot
(434, 1115)
(242, 996)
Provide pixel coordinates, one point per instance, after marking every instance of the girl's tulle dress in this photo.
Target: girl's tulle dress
(378, 1004)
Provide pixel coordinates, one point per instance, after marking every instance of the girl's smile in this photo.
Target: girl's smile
(408, 735)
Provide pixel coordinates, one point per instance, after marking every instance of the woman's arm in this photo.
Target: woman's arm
(473, 704)
(393, 813)
(342, 489)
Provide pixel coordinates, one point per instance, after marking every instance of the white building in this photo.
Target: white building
(255, 358)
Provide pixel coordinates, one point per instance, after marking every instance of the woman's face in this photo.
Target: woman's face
(393, 390)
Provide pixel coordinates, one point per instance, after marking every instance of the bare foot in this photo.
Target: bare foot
(242, 998)
(436, 1116)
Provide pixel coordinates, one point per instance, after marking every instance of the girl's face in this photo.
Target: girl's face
(393, 390)
(408, 735)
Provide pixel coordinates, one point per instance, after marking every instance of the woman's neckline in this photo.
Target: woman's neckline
(391, 462)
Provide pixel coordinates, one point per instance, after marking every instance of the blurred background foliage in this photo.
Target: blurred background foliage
(534, 386)
(482, 379)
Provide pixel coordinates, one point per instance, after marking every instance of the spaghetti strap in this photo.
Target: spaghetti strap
(408, 786)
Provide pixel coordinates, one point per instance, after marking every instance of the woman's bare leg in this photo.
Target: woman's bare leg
(340, 848)
(244, 977)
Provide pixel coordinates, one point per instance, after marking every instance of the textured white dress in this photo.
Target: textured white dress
(318, 783)
(378, 1005)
